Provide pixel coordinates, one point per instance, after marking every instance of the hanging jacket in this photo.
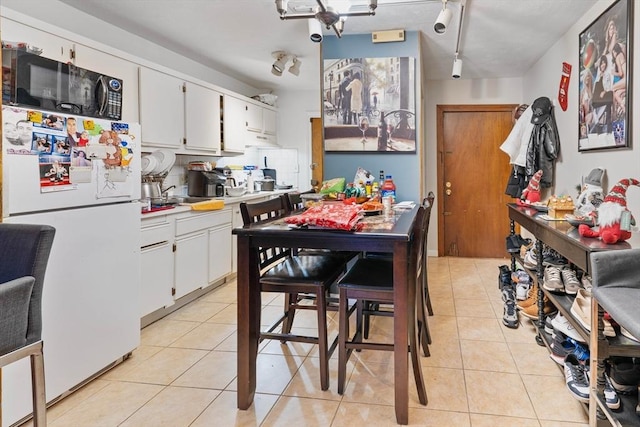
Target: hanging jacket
(543, 150)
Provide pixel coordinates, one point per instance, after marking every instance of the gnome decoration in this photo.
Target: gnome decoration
(614, 219)
(531, 194)
(591, 195)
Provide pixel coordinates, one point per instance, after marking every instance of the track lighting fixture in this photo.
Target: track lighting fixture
(442, 22)
(280, 64)
(295, 68)
(315, 30)
(324, 14)
(457, 68)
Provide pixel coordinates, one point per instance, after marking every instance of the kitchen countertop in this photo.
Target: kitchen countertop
(227, 201)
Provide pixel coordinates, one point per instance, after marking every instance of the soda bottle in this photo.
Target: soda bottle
(388, 188)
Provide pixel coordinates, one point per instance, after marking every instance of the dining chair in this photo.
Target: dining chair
(370, 280)
(24, 253)
(294, 199)
(304, 279)
(426, 308)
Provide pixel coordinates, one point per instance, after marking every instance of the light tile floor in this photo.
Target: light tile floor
(480, 373)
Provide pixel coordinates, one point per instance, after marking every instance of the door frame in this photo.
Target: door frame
(441, 109)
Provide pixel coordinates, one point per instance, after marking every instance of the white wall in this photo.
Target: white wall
(543, 79)
(450, 92)
(295, 108)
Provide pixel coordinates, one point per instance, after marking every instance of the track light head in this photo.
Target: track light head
(315, 30)
(281, 61)
(442, 22)
(457, 68)
(295, 68)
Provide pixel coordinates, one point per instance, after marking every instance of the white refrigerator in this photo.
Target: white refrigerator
(82, 176)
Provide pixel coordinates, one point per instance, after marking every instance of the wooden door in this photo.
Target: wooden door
(317, 153)
(473, 173)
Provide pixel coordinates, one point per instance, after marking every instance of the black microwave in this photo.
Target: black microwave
(29, 80)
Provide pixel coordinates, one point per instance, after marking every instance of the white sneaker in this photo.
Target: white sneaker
(560, 323)
(522, 291)
(531, 260)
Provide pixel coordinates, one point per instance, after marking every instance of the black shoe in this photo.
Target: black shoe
(512, 243)
(504, 277)
(624, 374)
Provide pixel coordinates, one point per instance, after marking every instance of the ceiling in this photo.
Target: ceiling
(499, 38)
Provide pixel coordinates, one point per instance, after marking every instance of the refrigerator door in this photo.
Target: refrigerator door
(49, 166)
(91, 300)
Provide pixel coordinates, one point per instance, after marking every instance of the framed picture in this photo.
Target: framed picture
(369, 105)
(605, 74)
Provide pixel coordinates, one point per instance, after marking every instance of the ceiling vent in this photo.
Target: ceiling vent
(387, 36)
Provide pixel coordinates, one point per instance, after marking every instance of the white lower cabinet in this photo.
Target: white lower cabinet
(219, 252)
(156, 259)
(191, 258)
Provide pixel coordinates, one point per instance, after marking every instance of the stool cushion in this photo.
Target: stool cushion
(369, 273)
(15, 297)
(312, 269)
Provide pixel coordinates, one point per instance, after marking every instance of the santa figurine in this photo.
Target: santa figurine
(611, 214)
(531, 194)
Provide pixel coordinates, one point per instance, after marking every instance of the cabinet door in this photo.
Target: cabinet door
(202, 118)
(113, 66)
(219, 252)
(161, 109)
(53, 47)
(235, 124)
(237, 223)
(191, 259)
(254, 117)
(157, 277)
(270, 121)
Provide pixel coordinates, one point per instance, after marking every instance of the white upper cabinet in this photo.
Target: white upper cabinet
(269, 119)
(53, 47)
(235, 124)
(161, 109)
(202, 118)
(254, 117)
(178, 114)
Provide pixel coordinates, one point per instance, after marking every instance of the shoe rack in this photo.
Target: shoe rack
(565, 239)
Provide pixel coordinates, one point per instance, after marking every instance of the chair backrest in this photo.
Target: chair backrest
(24, 251)
(427, 205)
(294, 200)
(266, 211)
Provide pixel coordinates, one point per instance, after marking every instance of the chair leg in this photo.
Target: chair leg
(424, 335)
(428, 299)
(323, 348)
(417, 367)
(343, 337)
(38, 389)
(290, 312)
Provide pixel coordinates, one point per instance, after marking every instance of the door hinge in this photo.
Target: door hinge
(173, 291)
(184, 88)
(175, 247)
(184, 141)
(72, 54)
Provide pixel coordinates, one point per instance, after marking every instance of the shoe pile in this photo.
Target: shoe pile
(551, 257)
(562, 346)
(624, 373)
(530, 259)
(529, 307)
(562, 280)
(510, 313)
(561, 324)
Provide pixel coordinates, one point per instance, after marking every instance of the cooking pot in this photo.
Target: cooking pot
(152, 190)
(264, 185)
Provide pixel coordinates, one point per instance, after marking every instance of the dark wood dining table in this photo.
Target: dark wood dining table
(391, 233)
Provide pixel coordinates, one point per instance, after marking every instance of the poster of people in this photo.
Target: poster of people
(605, 49)
(369, 105)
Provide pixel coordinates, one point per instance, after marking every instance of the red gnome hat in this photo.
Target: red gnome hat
(531, 194)
(609, 214)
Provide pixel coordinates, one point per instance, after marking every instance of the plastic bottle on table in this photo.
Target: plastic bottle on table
(388, 188)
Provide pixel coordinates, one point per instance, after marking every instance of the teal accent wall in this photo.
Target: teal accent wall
(405, 168)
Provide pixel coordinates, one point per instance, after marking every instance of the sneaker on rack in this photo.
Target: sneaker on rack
(548, 326)
(570, 280)
(520, 276)
(532, 311)
(624, 373)
(585, 280)
(513, 243)
(581, 310)
(551, 257)
(522, 291)
(611, 398)
(531, 260)
(553, 280)
(560, 323)
(579, 350)
(609, 325)
(576, 378)
(532, 298)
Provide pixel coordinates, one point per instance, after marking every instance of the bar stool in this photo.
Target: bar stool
(370, 280)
